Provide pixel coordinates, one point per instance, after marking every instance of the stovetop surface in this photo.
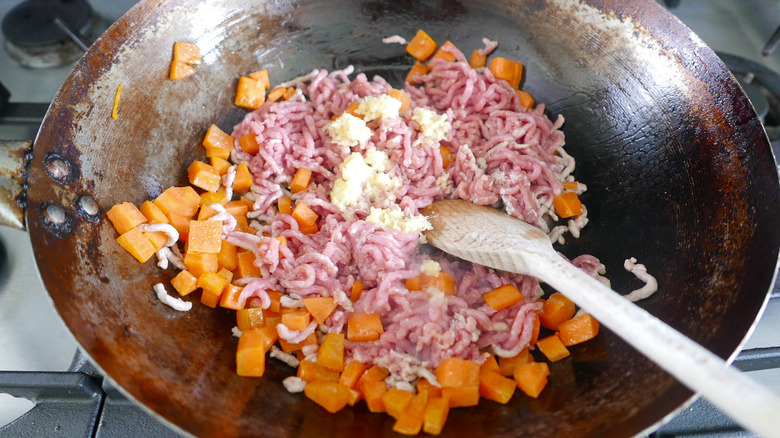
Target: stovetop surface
(33, 337)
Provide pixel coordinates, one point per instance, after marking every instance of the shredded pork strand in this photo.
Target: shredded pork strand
(294, 384)
(172, 302)
(395, 39)
(287, 358)
(640, 271)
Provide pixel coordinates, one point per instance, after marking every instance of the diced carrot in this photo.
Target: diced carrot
(183, 201)
(289, 347)
(567, 204)
(357, 291)
(225, 273)
(301, 180)
(304, 215)
(246, 265)
(395, 401)
(243, 180)
(364, 327)
(220, 165)
(444, 282)
(181, 224)
(320, 307)
(198, 263)
(184, 283)
(276, 94)
(494, 386)
(374, 374)
(422, 46)
(477, 59)
(418, 69)
(455, 372)
(261, 76)
(153, 213)
(570, 185)
(237, 208)
(315, 372)
(204, 176)
(424, 385)
(526, 100)
(284, 204)
(251, 318)
(276, 300)
(187, 53)
(490, 364)
(535, 331)
(447, 157)
(282, 242)
(436, 412)
(208, 198)
(552, 348)
(503, 296)
(372, 394)
(180, 70)
(578, 329)
(556, 309)
(204, 237)
(289, 93)
(354, 397)
(228, 256)
(206, 213)
(230, 297)
(443, 54)
(218, 143)
(250, 354)
(309, 229)
(250, 94)
(506, 365)
(272, 319)
(511, 71)
(352, 372)
(401, 95)
(158, 239)
(249, 143)
(531, 378)
(410, 421)
(461, 396)
(125, 216)
(296, 319)
(330, 395)
(212, 284)
(138, 245)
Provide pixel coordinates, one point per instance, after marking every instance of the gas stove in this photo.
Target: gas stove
(72, 399)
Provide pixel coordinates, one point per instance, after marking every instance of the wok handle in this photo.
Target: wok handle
(14, 163)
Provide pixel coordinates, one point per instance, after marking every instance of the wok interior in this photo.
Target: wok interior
(680, 176)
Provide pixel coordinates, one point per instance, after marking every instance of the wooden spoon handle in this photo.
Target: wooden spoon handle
(750, 404)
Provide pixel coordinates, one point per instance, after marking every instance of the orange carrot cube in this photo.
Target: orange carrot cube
(552, 348)
(556, 309)
(250, 93)
(352, 372)
(184, 282)
(330, 395)
(284, 205)
(531, 378)
(422, 46)
(249, 144)
(506, 365)
(180, 70)
(304, 215)
(435, 416)
(181, 224)
(477, 59)
(356, 291)
(567, 204)
(250, 354)
(455, 372)
(227, 256)
(461, 396)
(490, 364)
(218, 143)
(423, 385)
(494, 386)
(364, 327)
(153, 213)
(526, 100)
(301, 180)
(578, 329)
(315, 372)
(320, 307)
(158, 239)
(410, 421)
(289, 347)
(445, 55)
(331, 352)
(417, 70)
(198, 263)
(401, 96)
(138, 245)
(261, 76)
(125, 216)
(205, 237)
(183, 201)
(187, 53)
(297, 319)
(511, 71)
(230, 297)
(503, 296)
(251, 318)
(372, 394)
(204, 176)
(243, 180)
(395, 401)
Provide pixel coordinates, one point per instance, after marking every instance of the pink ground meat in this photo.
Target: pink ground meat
(505, 156)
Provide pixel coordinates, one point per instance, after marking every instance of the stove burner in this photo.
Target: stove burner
(48, 33)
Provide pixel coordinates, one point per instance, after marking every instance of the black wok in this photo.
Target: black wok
(680, 175)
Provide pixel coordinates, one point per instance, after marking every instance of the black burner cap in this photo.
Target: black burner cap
(32, 23)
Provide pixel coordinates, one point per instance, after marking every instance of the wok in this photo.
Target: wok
(680, 175)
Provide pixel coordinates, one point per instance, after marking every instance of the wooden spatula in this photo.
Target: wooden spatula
(492, 238)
